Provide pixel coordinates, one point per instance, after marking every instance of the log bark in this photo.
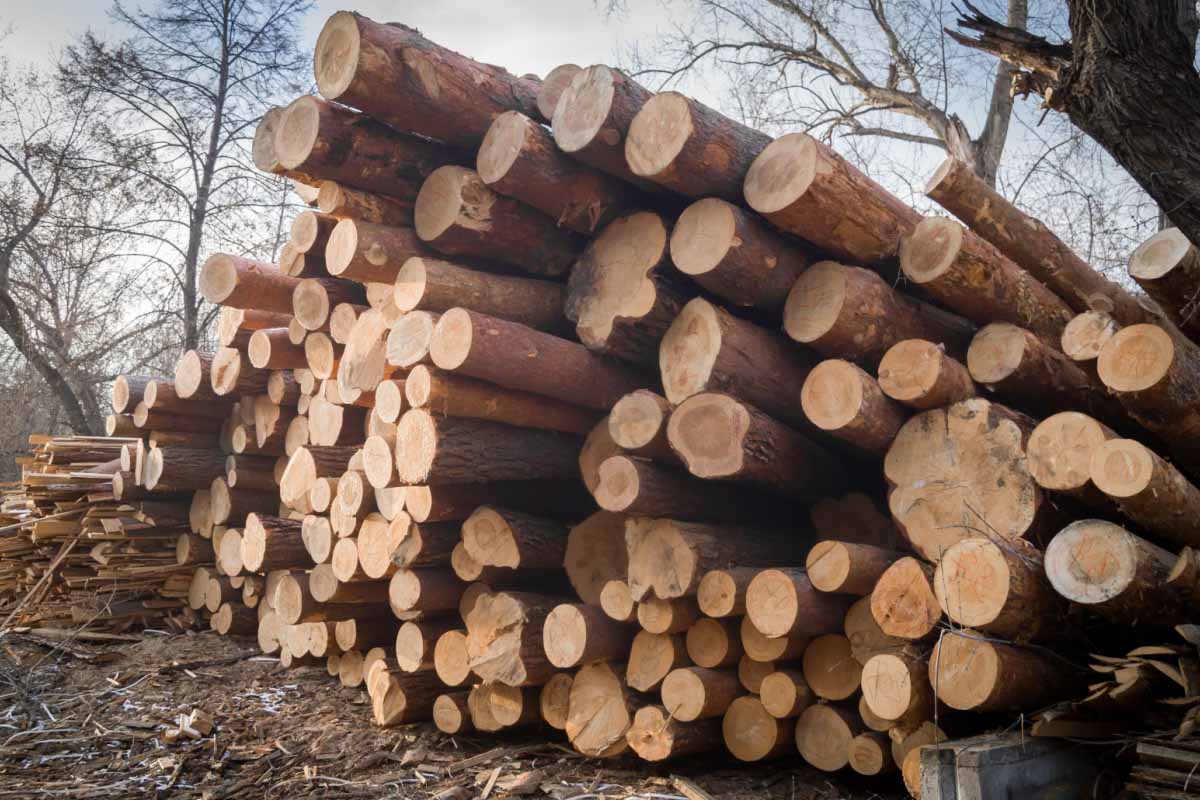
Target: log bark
(145, 419)
(751, 734)
(271, 348)
(593, 115)
(369, 253)
(843, 400)
(405, 698)
(714, 643)
(783, 602)
(402, 79)
(847, 567)
(829, 668)
(962, 272)
(735, 256)
(1167, 267)
(1148, 490)
(519, 159)
(1029, 243)
(824, 734)
(431, 284)
(667, 558)
(183, 468)
(234, 325)
(235, 620)
(919, 374)
(717, 436)
(345, 202)
(310, 231)
(517, 357)
(722, 592)
(564, 499)
(656, 735)
(784, 694)
(596, 553)
(623, 293)
(1001, 591)
(575, 634)
(191, 550)
(232, 506)
(801, 186)
(457, 214)
(451, 714)
(691, 149)
(495, 706)
(692, 693)
(903, 602)
(1114, 573)
(652, 656)
(970, 673)
(451, 395)
(128, 391)
(271, 543)
(230, 280)
(752, 673)
(192, 372)
(708, 349)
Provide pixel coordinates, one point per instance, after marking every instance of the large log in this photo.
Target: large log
(600, 710)
(920, 374)
(1028, 242)
(575, 634)
(346, 202)
(843, 400)
(623, 293)
(800, 185)
(962, 470)
(504, 638)
(830, 669)
(783, 602)
(853, 313)
(718, 436)
(518, 357)
(708, 349)
(1114, 573)
(401, 78)
(431, 284)
(457, 214)
(271, 543)
(1148, 490)
(691, 149)
(593, 115)
(596, 553)
(518, 158)
(847, 567)
(652, 656)
(271, 348)
(244, 283)
(501, 537)
(1167, 267)
(971, 673)
(999, 590)
(370, 253)
(667, 558)
(656, 735)
(824, 734)
(752, 734)
(964, 273)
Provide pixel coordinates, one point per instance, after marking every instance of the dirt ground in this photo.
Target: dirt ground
(81, 720)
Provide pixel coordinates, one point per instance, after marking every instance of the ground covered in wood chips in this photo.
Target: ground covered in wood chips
(88, 719)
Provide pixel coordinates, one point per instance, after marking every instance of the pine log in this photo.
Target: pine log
(962, 272)
(692, 693)
(596, 553)
(1028, 242)
(1167, 267)
(451, 714)
(657, 735)
(871, 754)
(430, 284)
(495, 707)
(841, 312)
(405, 698)
(1114, 573)
(501, 537)
(310, 231)
(962, 470)
(593, 115)
(782, 602)
(450, 660)
(254, 473)
(714, 643)
(553, 85)
(896, 687)
(732, 254)
(564, 499)
(345, 202)
(691, 149)
(903, 602)
(617, 602)
(282, 386)
(1148, 490)
(722, 592)
(263, 153)
(415, 642)
(1059, 454)
(309, 463)
(840, 398)
(623, 293)
(219, 591)
(847, 567)
(824, 734)
(272, 349)
(751, 734)
(637, 424)
(234, 620)
(652, 656)
(457, 214)
(317, 535)
(504, 638)
(183, 468)
(191, 550)
(708, 349)
(999, 590)
(366, 252)
(232, 374)
(231, 506)
(296, 264)
(322, 355)
(229, 552)
(919, 374)
(424, 589)
(192, 381)
(128, 391)
(867, 639)
(600, 710)
(451, 395)
(410, 339)
(519, 159)
(402, 79)
(829, 668)
(784, 694)
(517, 357)
(313, 298)
(719, 437)
(244, 283)
(575, 634)
(456, 450)
(759, 647)
(667, 558)
(145, 419)
(970, 673)
(667, 616)
(234, 325)
(752, 673)
(801, 186)
(271, 543)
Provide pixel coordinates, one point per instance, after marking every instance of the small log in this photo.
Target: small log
(416, 641)
(405, 698)
(652, 656)
(554, 699)
(365, 252)
(451, 714)
(896, 687)
(622, 293)
(847, 567)
(667, 616)
(638, 425)
(593, 115)
(495, 707)
(317, 535)
(229, 552)
(783, 602)
(145, 419)
(667, 558)
(430, 284)
(309, 463)
(310, 231)
(824, 734)
(401, 78)
(192, 380)
(597, 448)
(970, 673)
(314, 298)
(617, 602)
(235, 620)
(244, 283)
(692, 693)
(759, 647)
(1059, 455)
(751, 734)
(519, 159)
(714, 643)
(691, 149)
(962, 272)
(903, 602)
(843, 400)
(873, 720)
(232, 506)
(1167, 267)
(718, 436)
(575, 634)
(657, 735)
(722, 592)
(271, 348)
(1147, 489)
(128, 391)
(735, 256)
(234, 325)
(784, 694)
(424, 589)
(322, 355)
(457, 214)
(411, 337)
(1117, 575)
(829, 668)
(345, 202)
(596, 553)
(520, 358)
(450, 659)
(751, 673)
(871, 754)
(180, 468)
(160, 397)
(501, 537)
(271, 543)
(218, 592)
(919, 374)
(999, 590)
(802, 186)
(191, 550)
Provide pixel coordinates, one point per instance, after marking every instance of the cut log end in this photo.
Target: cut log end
(823, 736)
(1136, 358)
(832, 396)
(689, 350)
(335, 60)
(1060, 450)
(781, 173)
(702, 236)
(996, 352)
(298, 131)
(931, 249)
(1122, 467)
(501, 146)
(440, 202)
(1159, 254)
(903, 602)
(706, 430)
(583, 109)
(553, 85)
(814, 304)
(1091, 561)
(658, 133)
(218, 278)
(451, 339)
(1086, 334)
(637, 419)
(751, 734)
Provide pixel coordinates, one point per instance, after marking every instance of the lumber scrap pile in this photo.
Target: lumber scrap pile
(568, 406)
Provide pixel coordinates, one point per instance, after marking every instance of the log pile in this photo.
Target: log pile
(582, 427)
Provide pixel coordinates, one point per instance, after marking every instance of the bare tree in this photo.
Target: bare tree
(190, 84)
(857, 67)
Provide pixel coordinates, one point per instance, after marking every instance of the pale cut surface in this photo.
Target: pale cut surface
(658, 133)
(815, 301)
(689, 350)
(708, 430)
(702, 236)
(501, 146)
(829, 668)
(1086, 334)
(1060, 450)
(335, 59)
(781, 173)
(1122, 467)
(972, 582)
(582, 109)
(964, 669)
(1136, 358)
(751, 734)
(1091, 561)
(931, 248)
(823, 738)
(297, 131)
(1159, 254)
(598, 715)
(832, 396)
(995, 352)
